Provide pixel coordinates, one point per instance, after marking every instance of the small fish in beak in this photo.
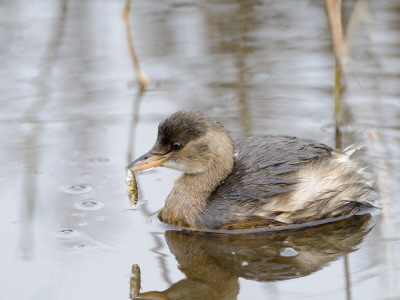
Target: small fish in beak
(145, 162)
(131, 188)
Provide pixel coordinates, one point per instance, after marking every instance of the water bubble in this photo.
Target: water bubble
(67, 233)
(78, 189)
(79, 247)
(89, 205)
(288, 252)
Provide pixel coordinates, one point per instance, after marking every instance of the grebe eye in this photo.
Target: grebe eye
(176, 146)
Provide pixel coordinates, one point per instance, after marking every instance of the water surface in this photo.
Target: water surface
(71, 118)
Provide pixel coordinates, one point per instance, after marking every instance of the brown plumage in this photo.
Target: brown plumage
(255, 182)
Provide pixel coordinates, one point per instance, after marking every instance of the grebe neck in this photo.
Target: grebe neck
(188, 198)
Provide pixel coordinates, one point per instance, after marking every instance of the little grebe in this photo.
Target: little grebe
(254, 182)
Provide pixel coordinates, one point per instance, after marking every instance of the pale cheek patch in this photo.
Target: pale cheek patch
(172, 164)
(180, 166)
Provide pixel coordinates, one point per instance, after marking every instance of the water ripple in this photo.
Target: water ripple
(89, 205)
(77, 189)
(67, 233)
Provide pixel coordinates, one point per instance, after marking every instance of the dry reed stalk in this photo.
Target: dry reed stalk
(333, 8)
(141, 77)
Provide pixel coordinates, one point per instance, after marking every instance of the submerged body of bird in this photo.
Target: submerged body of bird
(131, 187)
(252, 182)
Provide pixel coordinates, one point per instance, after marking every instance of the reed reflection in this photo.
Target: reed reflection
(213, 262)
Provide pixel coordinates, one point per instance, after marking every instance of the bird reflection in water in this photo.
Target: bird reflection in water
(213, 262)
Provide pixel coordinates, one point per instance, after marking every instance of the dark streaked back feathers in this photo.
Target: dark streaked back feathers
(263, 168)
(262, 164)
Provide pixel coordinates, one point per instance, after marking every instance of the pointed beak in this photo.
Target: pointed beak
(148, 161)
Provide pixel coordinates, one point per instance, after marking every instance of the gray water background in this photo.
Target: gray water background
(71, 119)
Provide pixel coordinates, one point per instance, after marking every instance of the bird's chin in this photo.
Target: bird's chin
(179, 166)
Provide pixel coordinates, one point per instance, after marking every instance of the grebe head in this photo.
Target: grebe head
(190, 142)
